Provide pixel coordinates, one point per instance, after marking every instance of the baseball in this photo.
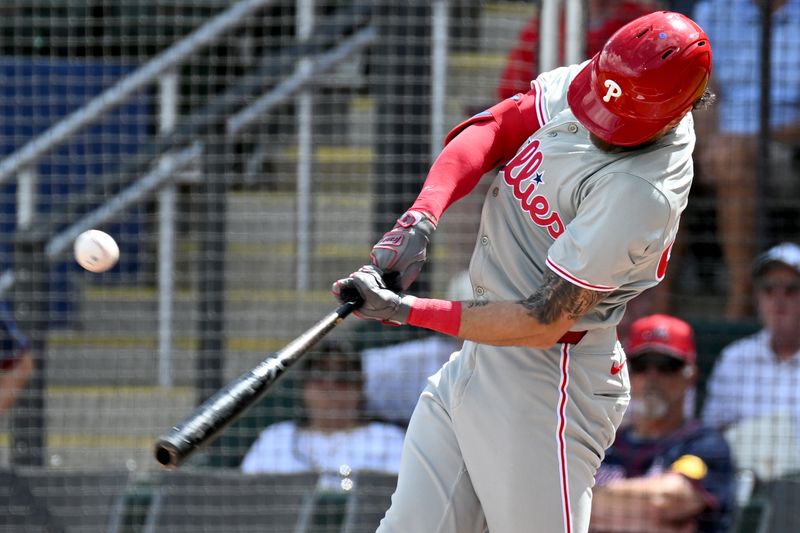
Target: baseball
(96, 251)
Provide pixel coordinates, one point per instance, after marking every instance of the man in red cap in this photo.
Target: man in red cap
(16, 360)
(665, 472)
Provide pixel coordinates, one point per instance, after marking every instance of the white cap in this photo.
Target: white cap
(786, 253)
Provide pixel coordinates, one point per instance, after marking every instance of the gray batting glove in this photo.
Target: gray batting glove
(380, 303)
(402, 251)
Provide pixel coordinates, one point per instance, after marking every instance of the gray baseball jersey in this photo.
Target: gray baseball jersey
(509, 438)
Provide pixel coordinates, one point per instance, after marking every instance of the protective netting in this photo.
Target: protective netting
(246, 154)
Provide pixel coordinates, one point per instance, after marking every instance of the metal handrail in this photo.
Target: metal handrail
(151, 182)
(251, 87)
(142, 188)
(322, 63)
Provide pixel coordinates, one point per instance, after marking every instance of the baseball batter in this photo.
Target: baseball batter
(595, 169)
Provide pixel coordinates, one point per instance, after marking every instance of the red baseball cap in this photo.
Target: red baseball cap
(662, 334)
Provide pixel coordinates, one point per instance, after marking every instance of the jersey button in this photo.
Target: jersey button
(479, 290)
(484, 240)
(572, 128)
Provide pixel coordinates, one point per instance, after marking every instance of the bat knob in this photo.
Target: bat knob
(167, 454)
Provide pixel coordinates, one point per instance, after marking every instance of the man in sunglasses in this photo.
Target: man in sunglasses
(754, 390)
(665, 472)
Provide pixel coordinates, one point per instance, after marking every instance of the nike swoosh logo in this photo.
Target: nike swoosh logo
(615, 368)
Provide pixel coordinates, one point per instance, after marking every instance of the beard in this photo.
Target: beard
(649, 404)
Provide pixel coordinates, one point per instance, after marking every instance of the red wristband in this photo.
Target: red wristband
(8, 363)
(443, 316)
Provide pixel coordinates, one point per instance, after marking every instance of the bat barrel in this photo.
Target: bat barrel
(215, 414)
(227, 404)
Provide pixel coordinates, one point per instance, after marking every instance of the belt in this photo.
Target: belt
(572, 337)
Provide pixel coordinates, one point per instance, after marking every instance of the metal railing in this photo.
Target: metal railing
(154, 169)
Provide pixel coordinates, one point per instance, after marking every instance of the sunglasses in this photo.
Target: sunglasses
(333, 376)
(663, 364)
(773, 289)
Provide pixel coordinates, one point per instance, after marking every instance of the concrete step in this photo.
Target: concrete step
(501, 23)
(119, 360)
(261, 239)
(122, 359)
(472, 80)
(123, 411)
(339, 169)
(270, 218)
(262, 268)
(118, 340)
(275, 266)
(267, 307)
(361, 122)
(250, 308)
(109, 426)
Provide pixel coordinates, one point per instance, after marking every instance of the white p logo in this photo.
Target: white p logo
(614, 90)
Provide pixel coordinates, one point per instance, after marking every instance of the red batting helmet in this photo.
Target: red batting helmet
(644, 80)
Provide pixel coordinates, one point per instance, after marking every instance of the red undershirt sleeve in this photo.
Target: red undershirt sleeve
(476, 146)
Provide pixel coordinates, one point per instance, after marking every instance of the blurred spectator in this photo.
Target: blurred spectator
(682, 6)
(664, 472)
(729, 149)
(754, 389)
(605, 17)
(334, 436)
(16, 362)
(396, 374)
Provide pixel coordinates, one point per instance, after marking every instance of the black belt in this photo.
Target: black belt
(572, 337)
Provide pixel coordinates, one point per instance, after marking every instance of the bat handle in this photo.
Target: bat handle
(349, 306)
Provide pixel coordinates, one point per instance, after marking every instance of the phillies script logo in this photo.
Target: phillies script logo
(524, 168)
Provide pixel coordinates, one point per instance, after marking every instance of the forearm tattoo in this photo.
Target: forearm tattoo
(558, 297)
(476, 303)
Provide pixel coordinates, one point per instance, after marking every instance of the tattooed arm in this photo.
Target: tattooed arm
(537, 321)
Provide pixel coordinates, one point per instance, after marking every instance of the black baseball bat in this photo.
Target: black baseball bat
(227, 404)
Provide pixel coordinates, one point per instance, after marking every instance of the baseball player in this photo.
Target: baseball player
(594, 171)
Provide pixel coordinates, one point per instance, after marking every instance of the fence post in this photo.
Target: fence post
(305, 151)
(31, 311)
(401, 77)
(212, 210)
(760, 235)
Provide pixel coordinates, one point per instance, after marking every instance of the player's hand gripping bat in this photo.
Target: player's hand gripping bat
(227, 404)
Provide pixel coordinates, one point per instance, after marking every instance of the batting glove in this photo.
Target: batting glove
(402, 251)
(380, 303)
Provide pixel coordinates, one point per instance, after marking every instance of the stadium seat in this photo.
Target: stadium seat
(73, 501)
(753, 517)
(368, 501)
(784, 499)
(19, 511)
(227, 501)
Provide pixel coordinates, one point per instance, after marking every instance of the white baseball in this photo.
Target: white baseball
(96, 251)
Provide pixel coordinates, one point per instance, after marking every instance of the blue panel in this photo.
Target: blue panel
(34, 95)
